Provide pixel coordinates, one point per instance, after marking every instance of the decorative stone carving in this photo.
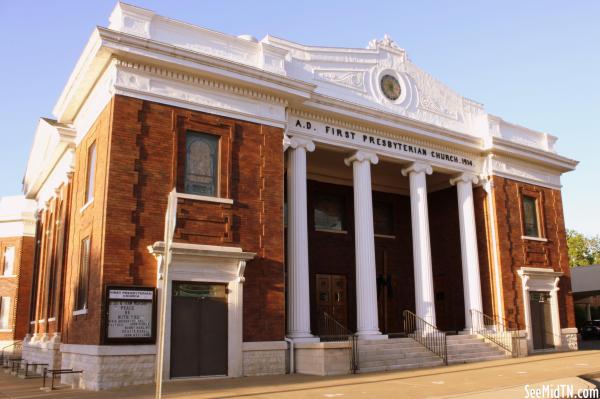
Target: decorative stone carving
(351, 79)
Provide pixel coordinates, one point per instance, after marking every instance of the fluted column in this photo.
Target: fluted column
(367, 323)
(298, 301)
(468, 249)
(424, 296)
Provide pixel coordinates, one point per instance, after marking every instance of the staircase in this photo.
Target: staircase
(472, 348)
(394, 354)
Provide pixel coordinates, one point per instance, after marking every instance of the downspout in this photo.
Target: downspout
(291, 349)
(489, 188)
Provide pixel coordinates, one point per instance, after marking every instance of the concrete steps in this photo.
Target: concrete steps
(394, 354)
(471, 348)
(406, 353)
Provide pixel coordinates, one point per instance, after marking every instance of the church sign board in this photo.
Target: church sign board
(130, 315)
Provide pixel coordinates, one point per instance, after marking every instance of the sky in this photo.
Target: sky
(534, 63)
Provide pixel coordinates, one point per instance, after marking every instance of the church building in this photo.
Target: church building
(285, 208)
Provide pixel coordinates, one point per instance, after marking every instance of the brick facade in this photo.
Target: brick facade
(17, 286)
(139, 148)
(516, 252)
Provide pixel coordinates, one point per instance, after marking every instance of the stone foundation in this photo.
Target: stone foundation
(108, 366)
(322, 358)
(42, 348)
(264, 358)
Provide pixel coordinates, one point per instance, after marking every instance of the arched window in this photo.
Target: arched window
(201, 164)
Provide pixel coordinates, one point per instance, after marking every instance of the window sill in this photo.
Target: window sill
(205, 198)
(391, 237)
(43, 321)
(79, 312)
(6, 330)
(86, 205)
(8, 276)
(52, 319)
(540, 239)
(332, 231)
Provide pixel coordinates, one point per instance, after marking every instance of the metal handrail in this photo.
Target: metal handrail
(425, 334)
(494, 331)
(18, 346)
(330, 330)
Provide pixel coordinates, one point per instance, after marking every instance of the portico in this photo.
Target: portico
(368, 283)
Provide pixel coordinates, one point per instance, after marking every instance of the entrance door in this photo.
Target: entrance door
(198, 329)
(332, 297)
(541, 320)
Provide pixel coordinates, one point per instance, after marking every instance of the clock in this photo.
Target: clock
(390, 87)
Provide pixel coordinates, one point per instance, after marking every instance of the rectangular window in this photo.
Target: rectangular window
(91, 171)
(4, 312)
(82, 282)
(530, 216)
(329, 212)
(383, 218)
(8, 266)
(201, 164)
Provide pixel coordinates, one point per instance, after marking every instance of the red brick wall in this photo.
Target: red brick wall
(87, 222)
(18, 288)
(145, 151)
(515, 252)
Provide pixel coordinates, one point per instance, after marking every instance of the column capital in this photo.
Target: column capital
(417, 167)
(361, 156)
(465, 178)
(297, 142)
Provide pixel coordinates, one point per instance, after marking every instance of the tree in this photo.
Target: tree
(583, 250)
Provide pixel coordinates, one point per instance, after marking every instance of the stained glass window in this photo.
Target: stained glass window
(329, 212)
(91, 171)
(81, 292)
(201, 164)
(530, 215)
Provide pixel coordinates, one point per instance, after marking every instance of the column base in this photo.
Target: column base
(371, 335)
(303, 337)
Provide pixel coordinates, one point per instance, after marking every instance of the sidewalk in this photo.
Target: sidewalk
(496, 379)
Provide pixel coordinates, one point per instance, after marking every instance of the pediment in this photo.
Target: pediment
(355, 75)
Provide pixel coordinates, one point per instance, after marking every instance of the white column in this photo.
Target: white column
(367, 323)
(298, 301)
(468, 248)
(424, 297)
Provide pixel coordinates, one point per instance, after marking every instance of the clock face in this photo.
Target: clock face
(390, 87)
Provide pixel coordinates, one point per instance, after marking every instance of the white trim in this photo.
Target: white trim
(205, 198)
(86, 205)
(8, 276)
(210, 264)
(545, 280)
(331, 231)
(6, 330)
(79, 312)
(392, 237)
(51, 319)
(541, 239)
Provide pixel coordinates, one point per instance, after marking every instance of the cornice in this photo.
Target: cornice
(199, 80)
(531, 155)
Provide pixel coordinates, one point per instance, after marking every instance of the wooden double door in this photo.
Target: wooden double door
(332, 298)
